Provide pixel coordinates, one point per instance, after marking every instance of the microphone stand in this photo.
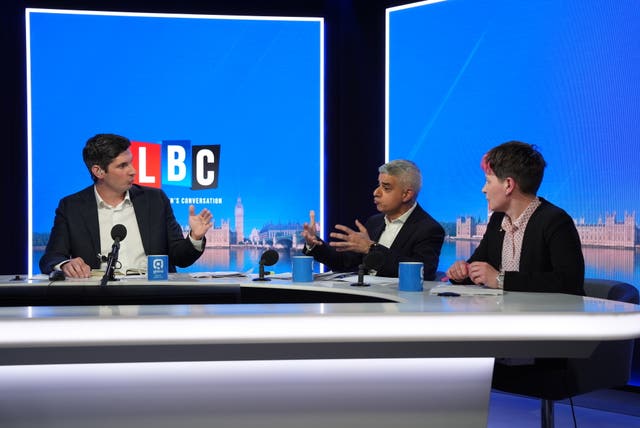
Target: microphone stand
(261, 274)
(360, 283)
(109, 273)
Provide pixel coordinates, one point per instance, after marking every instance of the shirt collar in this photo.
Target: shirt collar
(403, 218)
(102, 204)
(523, 219)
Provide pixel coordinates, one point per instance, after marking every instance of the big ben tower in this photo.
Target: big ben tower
(239, 212)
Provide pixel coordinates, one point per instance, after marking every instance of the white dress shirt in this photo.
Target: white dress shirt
(392, 227)
(131, 255)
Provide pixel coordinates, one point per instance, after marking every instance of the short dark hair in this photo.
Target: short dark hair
(518, 160)
(102, 149)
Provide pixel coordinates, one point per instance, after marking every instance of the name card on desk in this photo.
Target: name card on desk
(157, 267)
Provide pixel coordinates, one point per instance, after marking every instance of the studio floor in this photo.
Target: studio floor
(602, 409)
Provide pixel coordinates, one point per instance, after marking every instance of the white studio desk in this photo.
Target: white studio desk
(376, 357)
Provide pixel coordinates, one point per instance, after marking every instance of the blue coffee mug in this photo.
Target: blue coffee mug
(302, 268)
(410, 276)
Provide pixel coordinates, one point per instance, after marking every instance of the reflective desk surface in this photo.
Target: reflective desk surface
(295, 319)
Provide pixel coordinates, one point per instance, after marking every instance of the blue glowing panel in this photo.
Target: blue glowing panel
(466, 75)
(220, 110)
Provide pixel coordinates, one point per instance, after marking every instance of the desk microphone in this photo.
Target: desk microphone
(56, 275)
(268, 258)
(118, 233)
(371, 261)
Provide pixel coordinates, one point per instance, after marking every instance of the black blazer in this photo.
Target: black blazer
(419, 240)
(76, 232)
(551, 259)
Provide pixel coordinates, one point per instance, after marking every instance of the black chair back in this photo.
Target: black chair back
(552, 379)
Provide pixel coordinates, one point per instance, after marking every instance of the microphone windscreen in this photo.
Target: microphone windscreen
(269, 257)
(118, 232)
(373, 260)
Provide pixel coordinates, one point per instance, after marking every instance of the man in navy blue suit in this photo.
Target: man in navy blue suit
(81, 231)
(401, 232)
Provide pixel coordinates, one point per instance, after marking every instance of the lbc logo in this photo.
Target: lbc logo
(176, 163)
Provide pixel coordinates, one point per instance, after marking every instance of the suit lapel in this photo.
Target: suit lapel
(407, 229)
(377, 229)
(89, 215)
(405, 233)
(141, 208)
(495, 251)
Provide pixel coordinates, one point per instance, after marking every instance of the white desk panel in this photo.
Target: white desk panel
(514, 324)
(416, 360)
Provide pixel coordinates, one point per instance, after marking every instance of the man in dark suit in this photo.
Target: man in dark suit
(81, 231)
(402, 232)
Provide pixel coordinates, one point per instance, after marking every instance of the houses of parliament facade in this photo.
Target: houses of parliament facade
(605, 233)
(222, 236)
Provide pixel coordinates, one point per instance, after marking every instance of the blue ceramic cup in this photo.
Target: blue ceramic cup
(410, 276)
(157, 267)
(302, 268)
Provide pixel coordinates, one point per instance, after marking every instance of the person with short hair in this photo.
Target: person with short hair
(81, 234)
(401, 232)
(529, 244)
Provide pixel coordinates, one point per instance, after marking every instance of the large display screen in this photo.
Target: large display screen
(464, 76)
(222, 112)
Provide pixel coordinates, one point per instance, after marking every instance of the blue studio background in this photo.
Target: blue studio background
(465, 76)
(250, 85)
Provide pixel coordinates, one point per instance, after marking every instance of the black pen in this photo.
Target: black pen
(448, 294)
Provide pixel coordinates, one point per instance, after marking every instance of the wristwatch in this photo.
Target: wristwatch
(375, 246)
(500, 280)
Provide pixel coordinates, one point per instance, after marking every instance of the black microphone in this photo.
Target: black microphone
(56, 275)
(372, 260)
(118, 233)
(268, 258)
